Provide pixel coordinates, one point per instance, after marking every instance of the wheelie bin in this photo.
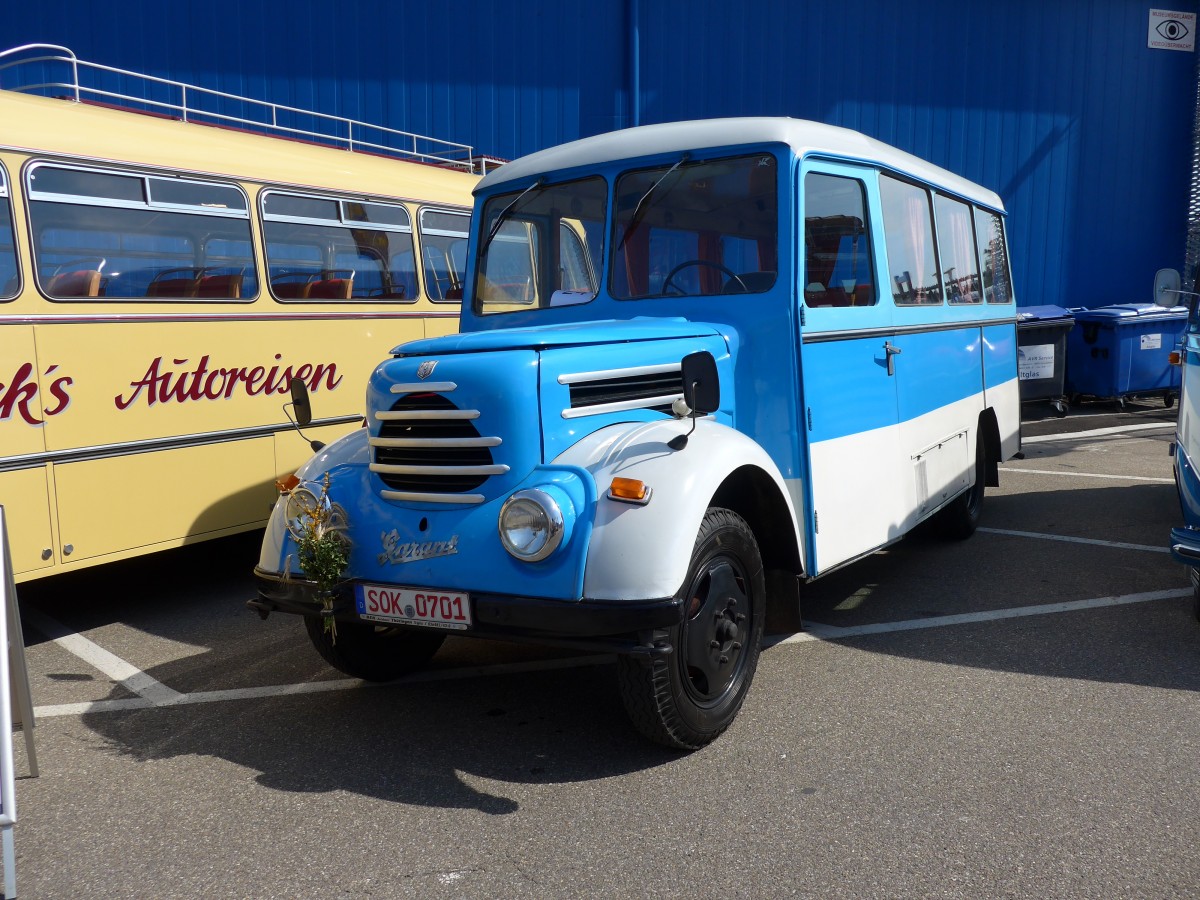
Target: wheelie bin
(1042, 354)
(1123, 351)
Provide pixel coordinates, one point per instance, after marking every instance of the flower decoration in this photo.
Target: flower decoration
(318, 526)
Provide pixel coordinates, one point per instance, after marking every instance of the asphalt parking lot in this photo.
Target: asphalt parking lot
(1014, 715)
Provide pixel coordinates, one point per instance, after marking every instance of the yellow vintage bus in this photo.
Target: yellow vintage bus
(161, 280)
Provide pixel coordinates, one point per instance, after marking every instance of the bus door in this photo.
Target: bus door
(848, 370)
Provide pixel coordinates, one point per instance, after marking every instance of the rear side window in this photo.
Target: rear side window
(913, 270)
(101, 234)
(956, 249)
(10, 278)
(993, 251)
(328, 248)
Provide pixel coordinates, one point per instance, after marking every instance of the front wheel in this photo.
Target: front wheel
(687, 698)
(372, 652)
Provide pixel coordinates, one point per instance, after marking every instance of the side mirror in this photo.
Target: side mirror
(701, 391)
(1166, 288)
(701, 386)
(300, 404)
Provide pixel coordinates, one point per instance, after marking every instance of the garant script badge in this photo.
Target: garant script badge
(398, 553)
(425, 369)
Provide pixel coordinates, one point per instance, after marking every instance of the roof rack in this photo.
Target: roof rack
(40, 63)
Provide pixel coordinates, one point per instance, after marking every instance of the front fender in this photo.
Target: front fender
(349, 450)
(639, 552)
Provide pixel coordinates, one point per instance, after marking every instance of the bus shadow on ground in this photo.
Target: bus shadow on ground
(451, 744)
(421, 742)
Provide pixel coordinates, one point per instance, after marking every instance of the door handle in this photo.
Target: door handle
(891, 350)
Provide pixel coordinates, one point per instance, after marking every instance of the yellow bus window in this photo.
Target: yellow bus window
(444, 252)
(100, 234)
(327, 248)
(10, 279)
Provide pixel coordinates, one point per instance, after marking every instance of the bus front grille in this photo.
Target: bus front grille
(428, 450)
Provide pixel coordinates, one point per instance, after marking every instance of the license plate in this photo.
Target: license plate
(413, 606)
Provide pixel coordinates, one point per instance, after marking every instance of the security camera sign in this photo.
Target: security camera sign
(1171, 30)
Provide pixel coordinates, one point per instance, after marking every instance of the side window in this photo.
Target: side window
(509, 276)
(956, 249)
(10, 278)
(908, 236)
(997, 279)
(574, 262)
(524, 256)
(837, 248)
(444, 252)
(327, 248)
(106, 234)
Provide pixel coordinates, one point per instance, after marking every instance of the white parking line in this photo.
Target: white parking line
(1095, 432)
(833, 633)
(314, 687)
(1008, 469)
(150, 691)
(1116, 545)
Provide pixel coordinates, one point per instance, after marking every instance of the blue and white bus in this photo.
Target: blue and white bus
(700, 364)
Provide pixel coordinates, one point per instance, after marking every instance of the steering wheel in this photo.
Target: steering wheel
(733, 276)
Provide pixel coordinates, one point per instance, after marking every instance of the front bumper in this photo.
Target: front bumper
(1185, 545)
(632, 627)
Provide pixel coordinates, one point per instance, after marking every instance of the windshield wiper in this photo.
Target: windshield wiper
(641, 207)
(505, 212)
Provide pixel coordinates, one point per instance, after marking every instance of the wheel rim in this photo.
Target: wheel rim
(715, 631)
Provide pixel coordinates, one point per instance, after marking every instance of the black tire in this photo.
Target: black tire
(687, 698)
(1194, 574)
(372, 652)
(960, 518)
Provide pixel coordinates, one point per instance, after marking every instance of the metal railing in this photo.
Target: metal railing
(187, 102)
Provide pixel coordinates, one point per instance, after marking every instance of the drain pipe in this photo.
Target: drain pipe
(635, 63)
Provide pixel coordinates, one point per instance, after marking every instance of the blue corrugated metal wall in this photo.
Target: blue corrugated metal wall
(1061, 107)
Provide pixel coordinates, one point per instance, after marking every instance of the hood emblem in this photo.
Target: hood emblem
(425, 369)
(397, 551)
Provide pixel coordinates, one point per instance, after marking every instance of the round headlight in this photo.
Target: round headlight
(302, 510)
(531, 525)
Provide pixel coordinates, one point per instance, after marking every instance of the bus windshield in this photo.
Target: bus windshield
(696, 229)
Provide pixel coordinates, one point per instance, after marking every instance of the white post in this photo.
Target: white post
(15, 676)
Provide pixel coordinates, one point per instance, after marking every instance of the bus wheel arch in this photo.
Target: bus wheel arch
(989, 433)
(756, 497)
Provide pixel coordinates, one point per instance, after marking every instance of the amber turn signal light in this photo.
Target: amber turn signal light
(287, 485)
(630, 490)
(1174, 358)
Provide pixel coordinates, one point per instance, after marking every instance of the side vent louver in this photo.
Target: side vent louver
(653, 387)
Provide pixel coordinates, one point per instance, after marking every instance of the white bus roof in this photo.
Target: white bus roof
(805, 138)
